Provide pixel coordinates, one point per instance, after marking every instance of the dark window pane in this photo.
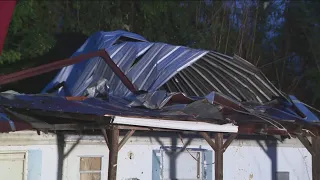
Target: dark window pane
(282, 175)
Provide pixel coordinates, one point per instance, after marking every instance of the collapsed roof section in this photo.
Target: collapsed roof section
(143, 79)
(152, 66)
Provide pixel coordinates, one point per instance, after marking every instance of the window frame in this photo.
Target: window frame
(203, 171)
(90, 171)
(25, 161)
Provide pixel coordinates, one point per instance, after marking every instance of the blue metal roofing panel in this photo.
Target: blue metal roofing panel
(150, 105)
(310, 117)
(159, 62)
(151, 65)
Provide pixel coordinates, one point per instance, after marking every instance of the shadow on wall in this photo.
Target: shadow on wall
(270, 149)
(172, 150)
(171, 160)
(61, 155)
(173, 153)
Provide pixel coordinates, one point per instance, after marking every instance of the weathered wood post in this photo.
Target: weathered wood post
(218, 154)
(314, 149)
(219, 148)
(316, 158)
(113, 153)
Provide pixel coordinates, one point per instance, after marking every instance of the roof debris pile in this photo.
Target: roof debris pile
(171, 82)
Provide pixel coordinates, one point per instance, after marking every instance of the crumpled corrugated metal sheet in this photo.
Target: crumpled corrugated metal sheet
(179, 83)
(232, 76)
(56, 106)
(173, 106)
(7, 124)
(158, 63)
(152, 66)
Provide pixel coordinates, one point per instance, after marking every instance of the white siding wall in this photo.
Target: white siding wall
(242, 160)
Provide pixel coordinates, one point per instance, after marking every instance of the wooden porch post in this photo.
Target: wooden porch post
(218, 155)
(112, 140)
(113, 153)
(316, 158)
(314, 149)
(219, 148)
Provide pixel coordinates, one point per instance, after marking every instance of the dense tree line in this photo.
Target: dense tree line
(280, 37)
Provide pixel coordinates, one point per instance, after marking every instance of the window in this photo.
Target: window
(90, 168)
(196, 163)
(181, 166)
(12, 165)
(282, 175)
(172, 163)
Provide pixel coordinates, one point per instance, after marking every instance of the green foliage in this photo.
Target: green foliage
(231, 27)
(10, 56)
(31, 33)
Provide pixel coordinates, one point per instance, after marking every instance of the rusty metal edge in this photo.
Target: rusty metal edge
(31, 72)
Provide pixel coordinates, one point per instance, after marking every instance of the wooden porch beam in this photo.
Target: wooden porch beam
(304, 140)
(314, 149)
(105, 136)
(219, 148)
(140, 128)
(31, 72)
(209, 140)
(229, 141)
(125, 138)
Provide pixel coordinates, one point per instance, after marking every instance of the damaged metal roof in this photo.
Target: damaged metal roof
(214, 108)
(173, 82)
(152, 66)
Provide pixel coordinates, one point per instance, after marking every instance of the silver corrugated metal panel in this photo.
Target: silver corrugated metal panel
(233, 77)
(158, 62)
(81, 75)
(152, 66)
